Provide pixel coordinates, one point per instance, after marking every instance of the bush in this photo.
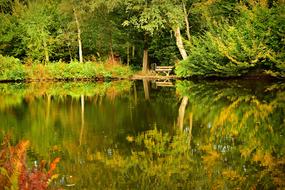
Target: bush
(11, 69)
(254, 41)
(15, 173)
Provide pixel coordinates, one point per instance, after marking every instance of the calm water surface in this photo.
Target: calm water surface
(139, 135)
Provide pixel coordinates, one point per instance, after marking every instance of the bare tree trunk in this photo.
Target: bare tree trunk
(128, 54)
(133, 51)
(181, 113)
(145, 54)
(186, 21)
(184, 102)
(78, 37)
(179, 42)
(145, 60)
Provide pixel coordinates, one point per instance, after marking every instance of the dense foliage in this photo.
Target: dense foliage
(220, 38)
(250, 42)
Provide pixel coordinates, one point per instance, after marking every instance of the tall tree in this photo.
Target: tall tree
(74, 11)
(78, 35)
(38, 26)
(151, 16)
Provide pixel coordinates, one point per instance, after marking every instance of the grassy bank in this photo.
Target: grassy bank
(12, 69)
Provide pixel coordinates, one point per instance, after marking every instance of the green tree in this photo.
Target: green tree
(153, 16)
(39, 28)
(239, 43)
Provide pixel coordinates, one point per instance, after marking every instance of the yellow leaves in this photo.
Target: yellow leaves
(234, 132)
(210, 159)
(232, 175)
(262, 3)
(130, 138)
(98, 156)
(116, 161)
(246, 151)
(228, 114)
(264, 158)
(212, 156)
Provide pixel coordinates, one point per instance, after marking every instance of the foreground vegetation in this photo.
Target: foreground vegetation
(12, 69)
(16, 173)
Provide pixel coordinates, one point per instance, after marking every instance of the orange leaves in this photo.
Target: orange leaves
(14, 171)
(53, 165)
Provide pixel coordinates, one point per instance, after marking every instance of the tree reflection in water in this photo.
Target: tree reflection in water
(231, 135)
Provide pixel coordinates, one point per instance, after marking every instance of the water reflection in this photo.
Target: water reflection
(128, 135)
(238, 128)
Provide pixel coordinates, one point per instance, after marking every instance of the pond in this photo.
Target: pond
(152, 135)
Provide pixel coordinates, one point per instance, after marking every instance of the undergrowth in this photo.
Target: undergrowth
(15, 173)
(12, 69)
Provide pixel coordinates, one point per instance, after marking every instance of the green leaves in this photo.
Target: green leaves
(155, 15)
(236, 49)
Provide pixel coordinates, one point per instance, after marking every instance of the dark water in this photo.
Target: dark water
(229, 136)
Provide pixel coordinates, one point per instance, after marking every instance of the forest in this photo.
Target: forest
(220, 38)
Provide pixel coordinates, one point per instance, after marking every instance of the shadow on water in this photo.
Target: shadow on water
(151, 135)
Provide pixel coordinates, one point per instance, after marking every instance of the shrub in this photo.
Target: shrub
(254, 41)
(14, 171)
(11, 69)
(76, 70)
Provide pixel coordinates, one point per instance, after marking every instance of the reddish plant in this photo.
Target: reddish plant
(15, 173)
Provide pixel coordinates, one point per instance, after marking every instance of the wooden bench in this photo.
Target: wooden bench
(164, 69)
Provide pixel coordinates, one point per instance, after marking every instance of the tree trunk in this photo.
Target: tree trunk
(145, 60)
(179, 42)
(186, 21)
(181, 113)
(133, 51)
(145, 54)
(128, 54)
(78, 37)
(182, 108)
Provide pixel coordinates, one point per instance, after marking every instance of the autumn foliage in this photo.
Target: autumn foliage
(15, 174)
